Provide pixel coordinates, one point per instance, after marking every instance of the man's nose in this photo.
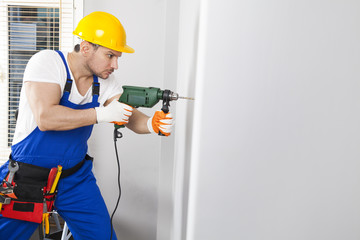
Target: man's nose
(114, 62)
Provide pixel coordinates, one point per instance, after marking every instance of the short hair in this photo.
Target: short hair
(77, 46)
(96, 46)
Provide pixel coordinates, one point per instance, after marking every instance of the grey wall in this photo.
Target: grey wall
(275, 146)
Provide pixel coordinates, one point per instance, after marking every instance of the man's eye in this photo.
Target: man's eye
(110, 55)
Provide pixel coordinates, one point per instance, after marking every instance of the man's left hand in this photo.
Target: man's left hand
(162, 122)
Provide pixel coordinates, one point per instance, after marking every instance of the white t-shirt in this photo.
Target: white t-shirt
(47, 66)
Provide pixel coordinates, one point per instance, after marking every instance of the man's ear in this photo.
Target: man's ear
(85, 47)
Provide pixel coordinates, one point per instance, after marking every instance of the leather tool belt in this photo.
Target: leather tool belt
(31, 195)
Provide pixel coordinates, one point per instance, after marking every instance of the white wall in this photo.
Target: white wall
(269, 149)
(167, 163)
(188, 43)
(275, 147)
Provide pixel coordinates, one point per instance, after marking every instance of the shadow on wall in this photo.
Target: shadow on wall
(130, 232)
(191, 89)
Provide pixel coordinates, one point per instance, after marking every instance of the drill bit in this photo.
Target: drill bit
(175, 96)
(187, 98)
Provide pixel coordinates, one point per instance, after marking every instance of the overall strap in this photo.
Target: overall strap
(95, 89)
(69, 81)
(68, 84)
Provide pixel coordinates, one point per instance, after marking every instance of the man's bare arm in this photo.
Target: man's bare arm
(138, 122)
(44, 101)
(112, 99)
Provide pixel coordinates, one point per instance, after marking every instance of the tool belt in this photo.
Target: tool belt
(31, 198)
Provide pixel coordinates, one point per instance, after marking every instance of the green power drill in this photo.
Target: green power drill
(147, 97)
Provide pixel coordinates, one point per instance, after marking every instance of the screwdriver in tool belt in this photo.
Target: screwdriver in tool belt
(53, 179)
(59, 171)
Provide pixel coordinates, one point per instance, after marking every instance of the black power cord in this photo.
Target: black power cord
(117, 135)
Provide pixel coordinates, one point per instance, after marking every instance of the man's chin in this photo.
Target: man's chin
(104, 75)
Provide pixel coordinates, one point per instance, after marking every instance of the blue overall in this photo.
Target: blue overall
(79, 201)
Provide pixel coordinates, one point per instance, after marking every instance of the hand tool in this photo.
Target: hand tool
(13, 167)
(7, 185)
(53, 180)
(148, 97)
(56, 180)
(46, 219)
(4, 200)
(50, 183)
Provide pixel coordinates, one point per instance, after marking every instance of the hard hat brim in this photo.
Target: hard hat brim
(124, 49)
(127, 49)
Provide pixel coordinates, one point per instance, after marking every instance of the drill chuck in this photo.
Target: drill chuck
(173, 96)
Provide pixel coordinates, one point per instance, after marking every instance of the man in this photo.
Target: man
(63, 96)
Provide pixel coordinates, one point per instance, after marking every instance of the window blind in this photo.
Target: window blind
(27, 27)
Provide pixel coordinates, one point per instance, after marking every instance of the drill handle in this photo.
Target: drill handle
(166, 101)
(165, 104)
(165, 108)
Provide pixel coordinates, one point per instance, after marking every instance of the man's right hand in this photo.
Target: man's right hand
(116, 112)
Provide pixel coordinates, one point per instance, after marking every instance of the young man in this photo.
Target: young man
(63, 95)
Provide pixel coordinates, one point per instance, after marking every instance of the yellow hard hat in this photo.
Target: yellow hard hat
(103, 29)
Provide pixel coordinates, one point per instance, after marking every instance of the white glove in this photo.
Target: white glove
(116, 112)
(162, 122)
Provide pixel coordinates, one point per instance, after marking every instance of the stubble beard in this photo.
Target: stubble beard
(103, 75)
